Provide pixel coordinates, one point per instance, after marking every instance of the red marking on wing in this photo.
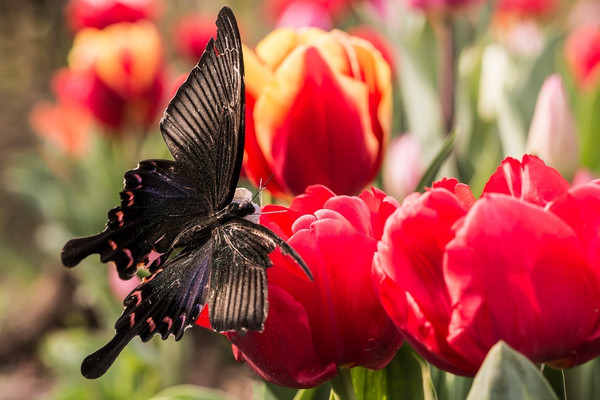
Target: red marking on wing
(138, 178)
(149, 278)
(169, 322)
(151, 324)
(119, 215)
(112, 244)
(138, 297)
(131, 320)
(129, 256)
(129, 198)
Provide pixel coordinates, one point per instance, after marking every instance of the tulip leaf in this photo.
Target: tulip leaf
(556, 379)
(506, 375)
(407, 376)
(190, 392)
(321, 392)
(434, 167)
(271, 391)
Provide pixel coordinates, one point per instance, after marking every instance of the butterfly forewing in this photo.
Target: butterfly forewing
(203, 125)
(167, 205)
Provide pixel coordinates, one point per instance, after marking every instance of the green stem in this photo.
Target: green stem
(446, 69)
(342, 386)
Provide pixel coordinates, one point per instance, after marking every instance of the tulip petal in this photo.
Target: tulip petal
(507, 275)
(297, 366)
(530, 180)
(304, 151)
(580, 208)
(408, 273)
(313, 199)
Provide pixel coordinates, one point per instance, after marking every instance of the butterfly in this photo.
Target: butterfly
(185, 221)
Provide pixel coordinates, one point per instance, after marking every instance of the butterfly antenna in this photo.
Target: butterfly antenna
(273, 212)
(261, 187)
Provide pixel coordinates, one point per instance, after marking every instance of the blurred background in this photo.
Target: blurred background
(67, 137)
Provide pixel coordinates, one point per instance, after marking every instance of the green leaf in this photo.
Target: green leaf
(507, 375)
(271, 391)
(319, 393)
(441, 156)
(407, 376)
(556, 379)
(190, 392)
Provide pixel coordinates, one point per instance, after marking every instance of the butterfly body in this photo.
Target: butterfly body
(191, 204)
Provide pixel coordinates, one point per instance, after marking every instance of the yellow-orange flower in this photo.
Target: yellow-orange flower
(318, 110)
(125, 63)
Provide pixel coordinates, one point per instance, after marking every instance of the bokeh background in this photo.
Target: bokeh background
(54, 188)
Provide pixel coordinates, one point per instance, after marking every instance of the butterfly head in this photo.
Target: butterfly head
(242, 207)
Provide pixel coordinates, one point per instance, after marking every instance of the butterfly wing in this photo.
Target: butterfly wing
(203, 125)
(203, 128)
(238, 282)
(157, 203)
(165, 303)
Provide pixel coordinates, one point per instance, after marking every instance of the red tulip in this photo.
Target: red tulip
(314, 327)
(582, 51)
(318, 110)
(123, 69)
(327, 9)
(519, 264)
(102, 13)
(527, 8)
(191, 33)
(441, 6)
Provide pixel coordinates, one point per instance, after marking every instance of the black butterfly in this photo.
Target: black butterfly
(190, 204)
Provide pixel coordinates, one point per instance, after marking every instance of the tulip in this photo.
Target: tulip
(381, 43)
(519, 264)
(314, 327)
(527, 8)
(123, 65)
(582, 51)
(299, 14)
(318, 110)
(552, 134)
(65, 126)
(322, 10)
(102, 13)
(403, 166)
(441, 6)
(191, 33)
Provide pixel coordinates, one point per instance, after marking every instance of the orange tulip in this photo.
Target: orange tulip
(124, 64)
(318, 110)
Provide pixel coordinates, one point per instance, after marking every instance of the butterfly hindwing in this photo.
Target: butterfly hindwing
(157, 203)
(203, 125)
(238, 282)
(165, 303)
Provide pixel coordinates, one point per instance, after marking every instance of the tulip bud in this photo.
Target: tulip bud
(552, 135)
(318, 110)
(124, 66)
(402, 167)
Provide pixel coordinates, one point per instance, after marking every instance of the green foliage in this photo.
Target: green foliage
(508, 375)
(407, 376)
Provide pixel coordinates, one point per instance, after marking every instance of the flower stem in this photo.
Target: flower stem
(446, 69)
(342, 386)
